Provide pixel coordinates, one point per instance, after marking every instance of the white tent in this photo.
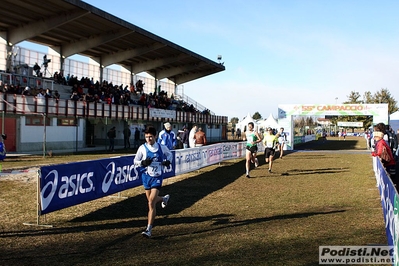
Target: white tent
(394, 121)
(269, 122)
(243, 124)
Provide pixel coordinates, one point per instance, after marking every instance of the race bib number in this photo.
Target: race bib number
(250, 139)
(269, 144)
(154, 169)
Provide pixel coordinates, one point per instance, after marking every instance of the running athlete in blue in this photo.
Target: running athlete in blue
(154, 157)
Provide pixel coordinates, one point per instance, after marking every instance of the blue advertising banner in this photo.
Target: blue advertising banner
(396, 236)
(387, 194)
(65, 185)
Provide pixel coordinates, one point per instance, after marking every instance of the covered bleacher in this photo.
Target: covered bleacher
(72, 27)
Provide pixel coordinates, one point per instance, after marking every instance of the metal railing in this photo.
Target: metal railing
(24, 81)
(48, 83)
(190, 101)
(31, 105)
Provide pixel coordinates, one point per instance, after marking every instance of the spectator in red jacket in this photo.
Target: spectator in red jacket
(383, 151)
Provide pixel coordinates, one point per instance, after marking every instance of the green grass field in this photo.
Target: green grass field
(216, 216)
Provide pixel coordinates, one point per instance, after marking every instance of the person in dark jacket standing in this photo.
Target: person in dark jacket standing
(111, 135)
(184, 138)
(126, 136)
(136, 138)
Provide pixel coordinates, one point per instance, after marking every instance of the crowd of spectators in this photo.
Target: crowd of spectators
(85, 89)
(29, 91)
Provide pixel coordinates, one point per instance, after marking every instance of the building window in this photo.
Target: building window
(66, 122)
(36, 121)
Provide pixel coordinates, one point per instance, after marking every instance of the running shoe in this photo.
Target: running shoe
(165, 200)
(256, 162)
(146, 233)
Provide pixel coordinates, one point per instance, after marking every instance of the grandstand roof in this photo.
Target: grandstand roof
(75, 27)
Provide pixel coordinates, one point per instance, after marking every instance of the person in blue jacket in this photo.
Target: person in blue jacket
(2, 147)
(167, 137)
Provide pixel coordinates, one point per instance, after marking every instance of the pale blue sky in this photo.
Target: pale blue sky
(277, 52)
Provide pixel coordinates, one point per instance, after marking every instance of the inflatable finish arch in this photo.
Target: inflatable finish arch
(287, 111)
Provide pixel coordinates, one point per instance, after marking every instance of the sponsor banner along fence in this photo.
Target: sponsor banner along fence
(187, 160)
(66, 185)
(390, 206)
(70, 184)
